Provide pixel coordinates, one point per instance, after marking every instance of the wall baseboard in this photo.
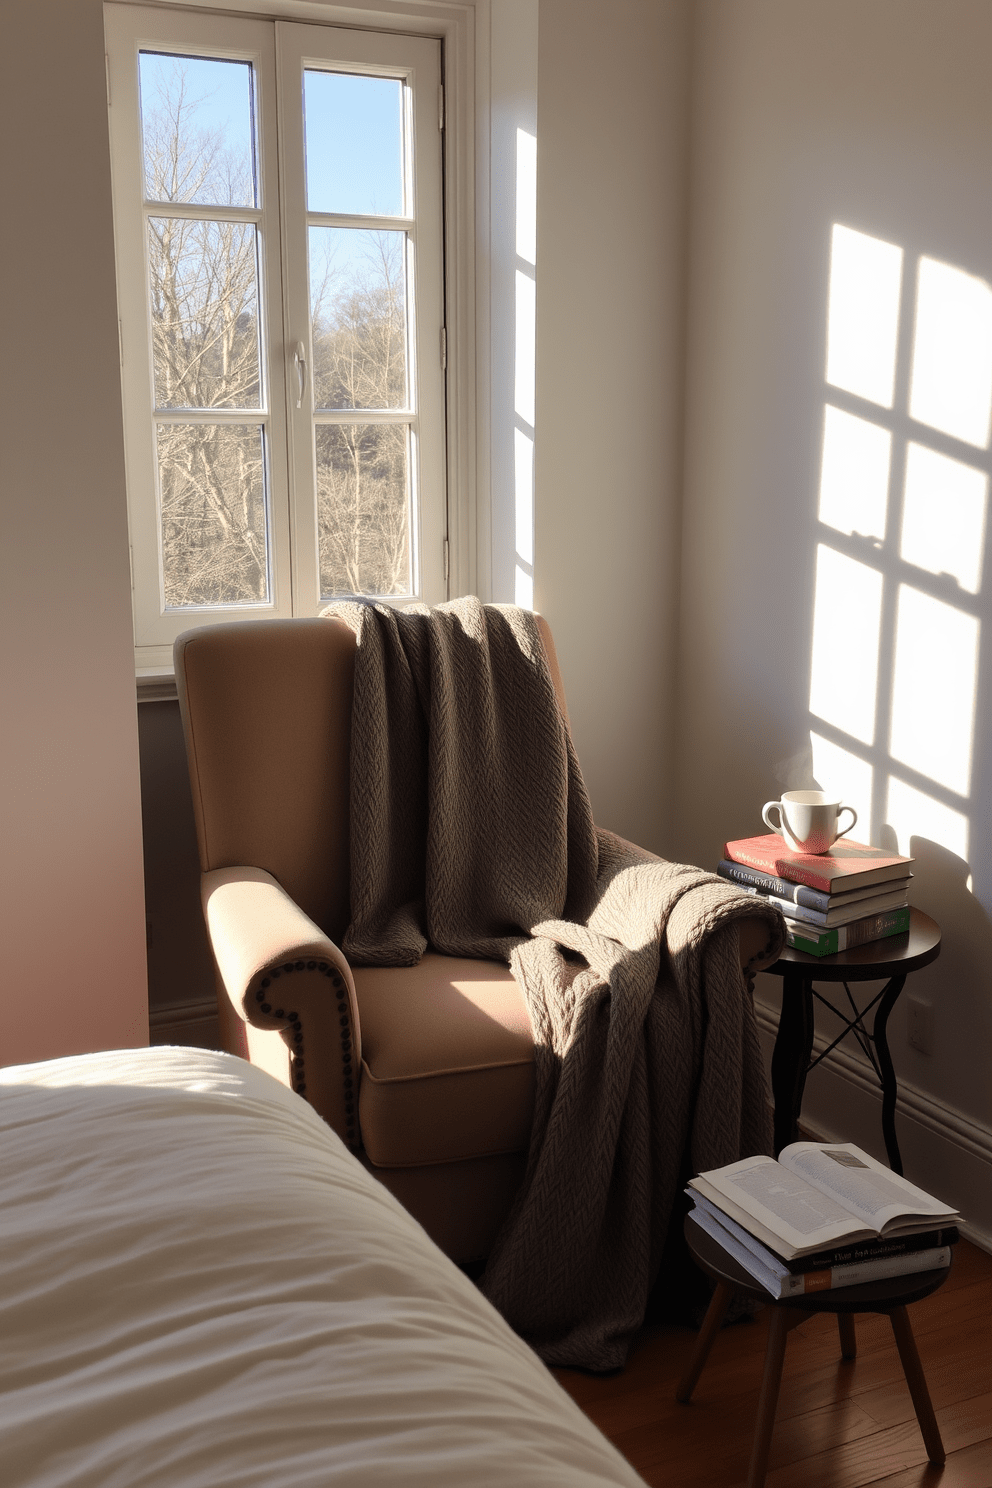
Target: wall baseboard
(185, 1023)
(943, 1150)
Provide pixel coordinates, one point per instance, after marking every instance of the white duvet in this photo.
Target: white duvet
(199, 1285)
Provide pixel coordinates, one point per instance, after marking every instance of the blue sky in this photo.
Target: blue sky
(353, 144)
(353, 141)
(352, 125)
(222, 92)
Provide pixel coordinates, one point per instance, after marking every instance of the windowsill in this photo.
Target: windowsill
(156, 685)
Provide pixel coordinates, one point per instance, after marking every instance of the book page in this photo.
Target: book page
(705, 1209)
(804, 1216)
(861, 1185)
(772, 1281)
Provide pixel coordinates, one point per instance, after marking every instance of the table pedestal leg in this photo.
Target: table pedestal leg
(790, 1061)
(889, 1086)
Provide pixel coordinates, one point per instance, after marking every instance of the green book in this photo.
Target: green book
(845, 937)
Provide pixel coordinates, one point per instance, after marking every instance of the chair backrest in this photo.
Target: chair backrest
(266, 707)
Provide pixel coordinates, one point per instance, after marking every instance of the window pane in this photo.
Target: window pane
(354, 143)
(854, 477)
(863, 314)
(846, 619)
(912, 814)
(933, 689)
(525, 347)
(847, 777)
(358, 316)
(363, 509)
(215, 541)
(952, 352)
(197, 130)
(204, 306)
(526, 197)
(943, 519)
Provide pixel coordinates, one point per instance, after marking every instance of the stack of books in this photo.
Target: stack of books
(825, 1215)
(831, 901)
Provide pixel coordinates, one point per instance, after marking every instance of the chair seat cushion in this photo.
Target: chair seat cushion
(447, 1062)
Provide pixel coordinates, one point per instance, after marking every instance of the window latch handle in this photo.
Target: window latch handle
(300, 359)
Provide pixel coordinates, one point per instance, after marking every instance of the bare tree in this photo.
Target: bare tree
(205, 354)
(203, 277)
(360, 362)
(362, 509)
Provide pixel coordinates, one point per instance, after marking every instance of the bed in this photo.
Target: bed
(200, 1285)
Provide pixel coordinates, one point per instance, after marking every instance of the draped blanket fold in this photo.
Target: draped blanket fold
(471, 832)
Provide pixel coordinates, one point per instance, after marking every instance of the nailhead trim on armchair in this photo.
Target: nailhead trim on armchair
(750, 970)
(297, 1053)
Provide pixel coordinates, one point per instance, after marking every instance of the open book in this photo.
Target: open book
(820, 1194)
(871, 1260)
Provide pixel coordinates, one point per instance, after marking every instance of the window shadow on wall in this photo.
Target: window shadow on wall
(899, 669)
(898, 673)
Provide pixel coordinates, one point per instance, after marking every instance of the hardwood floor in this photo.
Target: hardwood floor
(839, 1425)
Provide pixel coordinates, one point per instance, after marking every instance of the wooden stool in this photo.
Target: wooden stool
(890, 1296)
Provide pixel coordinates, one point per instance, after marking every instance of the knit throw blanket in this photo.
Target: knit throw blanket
(471, 832)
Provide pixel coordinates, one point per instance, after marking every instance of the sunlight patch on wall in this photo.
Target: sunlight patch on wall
(951, 386)
(943, 520)
(846, 619)
(523, 482)
(854, 476)
(863, 314)
(523, 365)
(911, 814)
(526, 224)
(933, 689)
(847, 778)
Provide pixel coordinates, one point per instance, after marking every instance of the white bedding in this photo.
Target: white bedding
(199, 1285)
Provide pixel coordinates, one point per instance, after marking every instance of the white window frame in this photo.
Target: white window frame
(462, 26)
(297, 47)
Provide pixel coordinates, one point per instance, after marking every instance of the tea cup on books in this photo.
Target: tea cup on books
(807, 820)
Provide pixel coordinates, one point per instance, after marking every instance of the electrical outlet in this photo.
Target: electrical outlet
(919, 1024)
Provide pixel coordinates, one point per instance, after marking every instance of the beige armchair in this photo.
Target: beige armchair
(426, 1072)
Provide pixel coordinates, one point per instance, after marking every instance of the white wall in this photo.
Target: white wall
(73, 920)
(611, 215)
(875, 114)
(513, 49)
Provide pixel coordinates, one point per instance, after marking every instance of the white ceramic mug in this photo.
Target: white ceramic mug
(807, 820)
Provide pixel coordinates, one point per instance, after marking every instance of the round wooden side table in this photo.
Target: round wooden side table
(890, 1295)
(891, 959)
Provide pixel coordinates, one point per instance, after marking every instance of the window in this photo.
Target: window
(278, 213)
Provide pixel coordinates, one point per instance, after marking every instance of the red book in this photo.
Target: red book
(848, 865)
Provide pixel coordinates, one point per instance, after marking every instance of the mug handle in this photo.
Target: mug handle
(851, 823)
(777, 826)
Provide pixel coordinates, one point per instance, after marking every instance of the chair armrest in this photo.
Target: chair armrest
(755, 936)
(290, 987)
(757, 946)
